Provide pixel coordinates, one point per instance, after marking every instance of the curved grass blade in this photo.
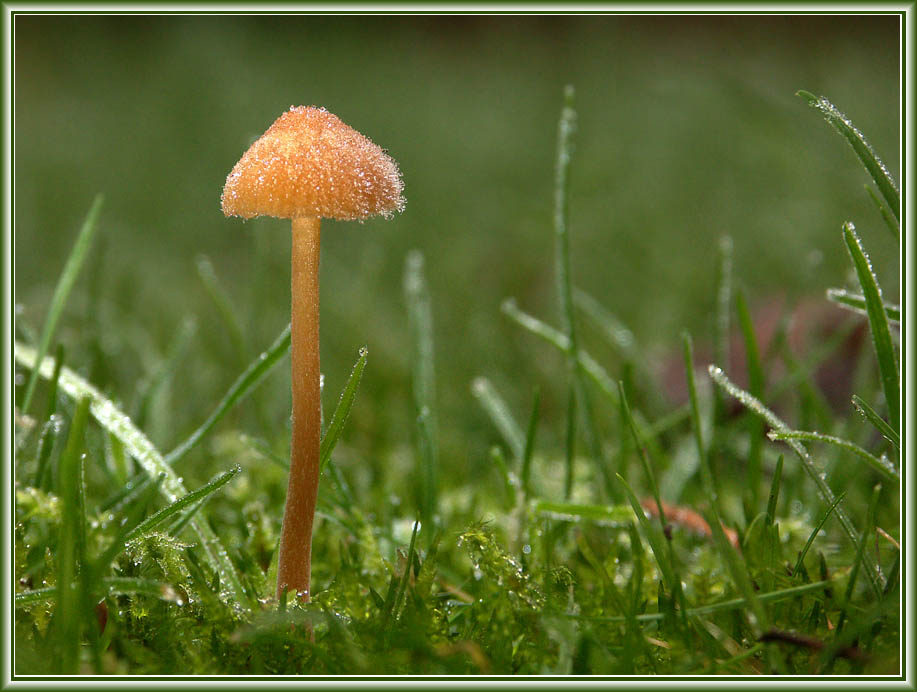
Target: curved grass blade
(561, 342)
(867, 156)
(62, 292)
(336, 427)
(824, 490)
(885, 468)
(878, 325)
(877, 421)
(116, 422)
(858, 303)
(246, 382)
(499, 413)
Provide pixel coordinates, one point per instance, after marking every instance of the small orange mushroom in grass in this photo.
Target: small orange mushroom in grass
(307, 166)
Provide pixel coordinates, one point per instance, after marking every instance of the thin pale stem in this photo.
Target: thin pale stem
(295, 557)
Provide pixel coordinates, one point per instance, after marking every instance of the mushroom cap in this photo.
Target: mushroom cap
(309, 163)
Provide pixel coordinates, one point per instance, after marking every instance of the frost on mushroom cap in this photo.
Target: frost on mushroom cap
(309, 163)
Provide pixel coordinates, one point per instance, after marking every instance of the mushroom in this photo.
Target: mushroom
(307, 166)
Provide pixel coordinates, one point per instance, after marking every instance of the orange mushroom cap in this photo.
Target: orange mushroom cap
(309, 163)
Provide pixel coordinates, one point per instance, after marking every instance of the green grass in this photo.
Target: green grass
(594, 538)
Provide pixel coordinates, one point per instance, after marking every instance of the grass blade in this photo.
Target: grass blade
(112, 586)
(604, 515)
(578, 398)
(561, 342)
(815, 531)
(738, 569)
(887, 217)
(756, 388)
(392, 605)
(723, 606)
(566, 126)
(244, 384)
(52, 384)
(878, 325)
(771, 513)
(163, 372)
(614, 331)
(867, 156)
(265, 450)
(570, 443)
(525, 471)
(420, 318)
(707, 473)
(675, 588)
(509, 486)
(722, 352)
(642, 453)
(733, 561)
(885, 468)
(824, 490)
(656, 540)
(49, 434)
(62, 292)
(858, 561)
(342, 411)
(224, 305)
(499, 413)
(877, 421)
(152, 522)
(116, 422)
(71, 542)
(619, 336)
(177, 526)
(858, 303)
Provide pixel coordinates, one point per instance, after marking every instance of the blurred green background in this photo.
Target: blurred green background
(688, 130)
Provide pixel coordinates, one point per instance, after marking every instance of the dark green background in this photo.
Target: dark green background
(688, 130)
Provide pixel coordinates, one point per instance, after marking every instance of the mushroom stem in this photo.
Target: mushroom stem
(295, 553)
